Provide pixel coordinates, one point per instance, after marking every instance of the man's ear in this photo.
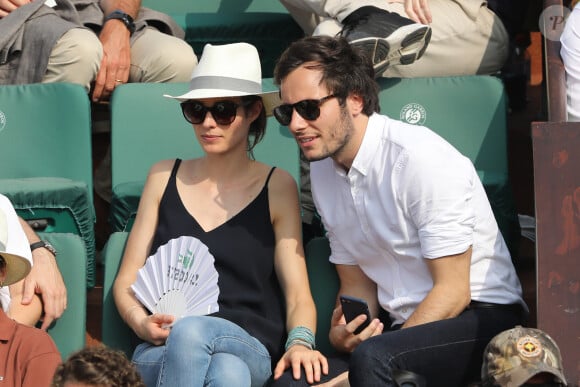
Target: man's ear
(355, 104)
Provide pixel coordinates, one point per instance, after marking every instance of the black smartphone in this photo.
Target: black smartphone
(353, 307)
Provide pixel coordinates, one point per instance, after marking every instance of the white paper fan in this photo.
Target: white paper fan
(179, 279)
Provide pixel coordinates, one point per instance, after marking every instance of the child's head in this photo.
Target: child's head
(97, 366)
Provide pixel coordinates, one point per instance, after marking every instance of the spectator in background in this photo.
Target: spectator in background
(28, 355)
(570, 53)
(97, 366)
(104, 43)
(468, 36)
(522, 357)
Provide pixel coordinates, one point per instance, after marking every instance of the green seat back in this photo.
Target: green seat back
(45, 131)
(324, 285)
(468, 111)
(114, 332)
(68, 332)
(147, 127)
(45, 153)
(471, 113)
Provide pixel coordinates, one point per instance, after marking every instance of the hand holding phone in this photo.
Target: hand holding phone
(353, 307)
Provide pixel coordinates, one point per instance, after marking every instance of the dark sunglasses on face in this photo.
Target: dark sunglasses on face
(309, 109)
(223, 112)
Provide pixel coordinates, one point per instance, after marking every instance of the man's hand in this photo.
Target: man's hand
(7, 6)
(116, 62)
(418, 11)
(45, 279)
(342, 334)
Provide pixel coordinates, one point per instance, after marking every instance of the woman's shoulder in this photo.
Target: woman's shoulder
(278, 177)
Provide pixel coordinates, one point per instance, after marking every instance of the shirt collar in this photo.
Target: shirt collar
(368, 148)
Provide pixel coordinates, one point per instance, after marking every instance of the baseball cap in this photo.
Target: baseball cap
(514, 356)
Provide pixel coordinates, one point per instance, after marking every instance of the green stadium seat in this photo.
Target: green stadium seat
(45, 151)
(114, 332)
(68, 332)
(324, 285)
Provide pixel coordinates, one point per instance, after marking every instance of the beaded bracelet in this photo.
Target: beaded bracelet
(301, 335)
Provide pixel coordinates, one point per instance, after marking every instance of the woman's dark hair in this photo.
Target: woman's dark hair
(258, 126)
(345, 69)
(98, 366)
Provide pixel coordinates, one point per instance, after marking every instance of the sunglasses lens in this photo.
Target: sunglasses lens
(224, 113)
(194, 112)
(309, 109)
(283, 114)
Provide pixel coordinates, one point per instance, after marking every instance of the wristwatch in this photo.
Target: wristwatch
(124, 17)
(44, 244)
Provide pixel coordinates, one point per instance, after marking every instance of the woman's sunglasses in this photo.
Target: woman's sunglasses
(223, 112)
(309, 109)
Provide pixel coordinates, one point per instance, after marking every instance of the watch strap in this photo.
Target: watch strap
(123, 17)
(46, 245)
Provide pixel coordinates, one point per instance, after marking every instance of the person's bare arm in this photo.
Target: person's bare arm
(290, 267)
(45, 280)
(115, 38)
(25, 314)
(148, 327)
(450, 294)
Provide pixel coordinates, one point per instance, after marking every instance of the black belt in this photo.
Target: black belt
(491, 305)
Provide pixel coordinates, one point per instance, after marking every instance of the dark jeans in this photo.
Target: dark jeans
(447, 353)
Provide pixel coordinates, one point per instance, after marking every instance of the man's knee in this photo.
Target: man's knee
(158, 57)
(75, 58)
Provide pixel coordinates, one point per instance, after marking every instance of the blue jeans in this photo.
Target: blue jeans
(204, 351)
(448, 353)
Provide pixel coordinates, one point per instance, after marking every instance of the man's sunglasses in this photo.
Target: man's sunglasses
(223, 112)
(309, 109)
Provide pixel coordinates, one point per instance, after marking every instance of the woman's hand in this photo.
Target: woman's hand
(154, 328)
(342, 336)
(298, 357)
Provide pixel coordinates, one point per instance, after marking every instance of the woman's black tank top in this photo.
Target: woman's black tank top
(243, 248)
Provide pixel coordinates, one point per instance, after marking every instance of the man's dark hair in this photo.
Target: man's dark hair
(345, 69)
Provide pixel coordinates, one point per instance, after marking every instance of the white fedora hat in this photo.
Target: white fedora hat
(229, 70)
(14, 246)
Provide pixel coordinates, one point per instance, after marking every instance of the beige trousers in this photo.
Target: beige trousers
(155, 57)
(467, 38)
